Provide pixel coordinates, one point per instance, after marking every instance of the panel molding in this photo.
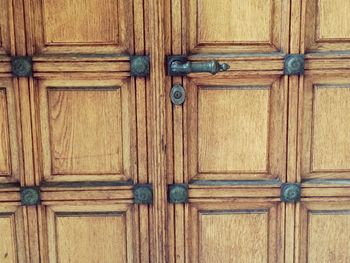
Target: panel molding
(120, 40)
(6, 27)
(90, 217)
(275, 132)
(316, 129)
(314, 20)
(9, 145)
(127, 139)
(12, 243)
(221, 244)
(323, 231)
(276, 38)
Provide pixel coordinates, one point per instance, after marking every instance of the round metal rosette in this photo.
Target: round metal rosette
(294, 64)
(290, 193)
(143, 194)
(139, 66)
(30, 196)
(21, 66)
(178, 193)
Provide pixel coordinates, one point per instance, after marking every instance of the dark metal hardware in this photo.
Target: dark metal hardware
(177, 94)
(180, 66)
(139, 66)
(178, 193)
(294, 64)
(30, 196)
(21, 66)
(143, 194)
(290, 193)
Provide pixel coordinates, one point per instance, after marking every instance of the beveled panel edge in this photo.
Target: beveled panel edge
(335, 182)
(83, 184)
(81, 57)
(275, 182)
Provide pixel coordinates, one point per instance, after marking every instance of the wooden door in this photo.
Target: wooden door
(229, 137)
(244, 138)
(323, 143)
(73, 132)
(85, 140)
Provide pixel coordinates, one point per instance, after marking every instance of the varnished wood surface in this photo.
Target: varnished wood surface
(81, 117)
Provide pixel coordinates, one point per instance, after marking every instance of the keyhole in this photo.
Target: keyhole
(177, 95)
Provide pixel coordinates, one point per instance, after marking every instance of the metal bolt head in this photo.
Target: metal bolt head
(139, 66)
(178, 193)
(21, 66)
(30, 196)
(290, 193)
(143, 194)
(294, 64)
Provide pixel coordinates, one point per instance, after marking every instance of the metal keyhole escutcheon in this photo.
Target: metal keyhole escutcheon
(177, 94)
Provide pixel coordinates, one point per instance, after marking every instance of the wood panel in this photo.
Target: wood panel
(86, 129)
(325, 142)
(12, 248)
(9, 149)
(324, 231)
(6, 27)
(326, 25)
(236, 26)
(92, 26)
(235, 232)
(88, 233)
(236, 128)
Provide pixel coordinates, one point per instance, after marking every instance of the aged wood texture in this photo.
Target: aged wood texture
(85, 131)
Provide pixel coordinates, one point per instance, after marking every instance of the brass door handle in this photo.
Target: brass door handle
(180, 66)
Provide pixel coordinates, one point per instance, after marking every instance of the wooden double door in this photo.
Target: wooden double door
(258, 156)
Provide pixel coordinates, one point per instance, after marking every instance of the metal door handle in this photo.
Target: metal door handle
(180, 66)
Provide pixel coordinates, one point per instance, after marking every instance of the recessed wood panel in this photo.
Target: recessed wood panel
(230, 130)
(236, 26)
(104, 233)
(9, 154)
(325, 140)
(325, 231)
(97, 23)
(236, 128)
(6, 26)
(80, 26)
(330, 125)
(8, 242)
(87, 129)
(327, 27)
(12, 248)
(240, 232)
(5, 159)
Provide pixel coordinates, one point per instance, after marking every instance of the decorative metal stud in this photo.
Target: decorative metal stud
(21, 66)
(294, 64)
(290, 193)
(177, 94)
(178, 193)
(30, 196)
(139, 66)
(143, 194)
